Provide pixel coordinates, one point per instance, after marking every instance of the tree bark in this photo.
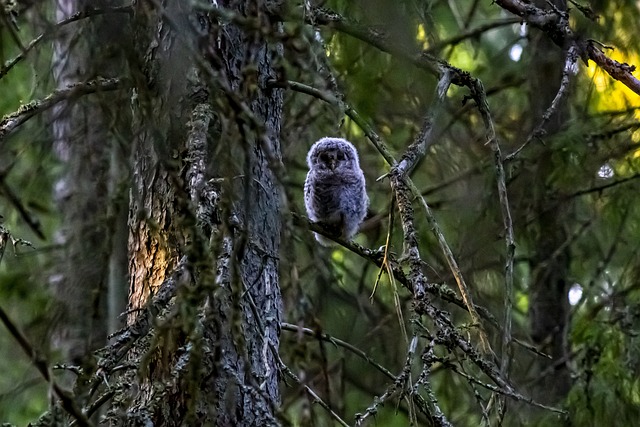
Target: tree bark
(204, 191)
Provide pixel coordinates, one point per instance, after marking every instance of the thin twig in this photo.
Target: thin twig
(455, 271)
(86, 13)
(13, 120)
(471, 34)
(510, 393)
(331, 99)
(338, 342)
(569, 69)
(399, 384)
(479, 95)
(600, 188)
(17, 203)
(284, 368)
(66, 398)
(428, 359)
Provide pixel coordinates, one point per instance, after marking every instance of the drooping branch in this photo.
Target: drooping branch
(569, 69)
(12, 121)
(86, 13)
(14, 199)
(38, 360)
(68, 402)
(379, 39)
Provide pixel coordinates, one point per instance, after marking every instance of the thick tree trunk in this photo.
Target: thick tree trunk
(204, 192)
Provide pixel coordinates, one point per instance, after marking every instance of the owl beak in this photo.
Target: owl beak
(332, 164)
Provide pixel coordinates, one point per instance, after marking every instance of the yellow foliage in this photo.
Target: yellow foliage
(337, 256)
(421, 36)
(522, 302)
(353, 128)
(616, 96)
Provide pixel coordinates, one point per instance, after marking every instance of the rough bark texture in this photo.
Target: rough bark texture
(160, 123)
(211, 198)
(549, 308)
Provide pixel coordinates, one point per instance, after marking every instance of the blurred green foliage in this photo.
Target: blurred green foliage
(591, 173)
(27, 171)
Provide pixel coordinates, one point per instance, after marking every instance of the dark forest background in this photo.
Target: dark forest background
(156, 264)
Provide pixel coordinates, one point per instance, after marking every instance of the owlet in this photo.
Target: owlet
(334, 191)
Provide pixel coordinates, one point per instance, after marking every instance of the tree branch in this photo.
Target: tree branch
(569, 69)
(556, 25)
(13, 120)
(338, 342)
(73, 18)
(470, 34)
(66, 398)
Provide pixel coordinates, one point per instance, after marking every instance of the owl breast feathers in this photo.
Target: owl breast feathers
(334, 191)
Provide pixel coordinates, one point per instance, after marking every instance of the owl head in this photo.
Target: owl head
(332, 154)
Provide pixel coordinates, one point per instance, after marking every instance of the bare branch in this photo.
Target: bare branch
(73, 18)
(338, 342)
(569, 69)
(470, 34)
(377, 257)
(66, 398)
(479, 95)
(621, 72)
(555, 24)
(32, 222)
(13, 120)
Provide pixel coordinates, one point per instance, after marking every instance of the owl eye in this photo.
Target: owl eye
(341, 156)
(324, 157)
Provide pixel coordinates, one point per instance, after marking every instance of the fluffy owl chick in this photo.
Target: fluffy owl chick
(334, 191)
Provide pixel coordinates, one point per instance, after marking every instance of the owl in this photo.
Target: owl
(334, 191)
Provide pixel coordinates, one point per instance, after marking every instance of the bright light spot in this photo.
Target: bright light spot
(573, 68)
(515, 52)
(421, 36)
(523, 29)
(605, 171)
(575, 293)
